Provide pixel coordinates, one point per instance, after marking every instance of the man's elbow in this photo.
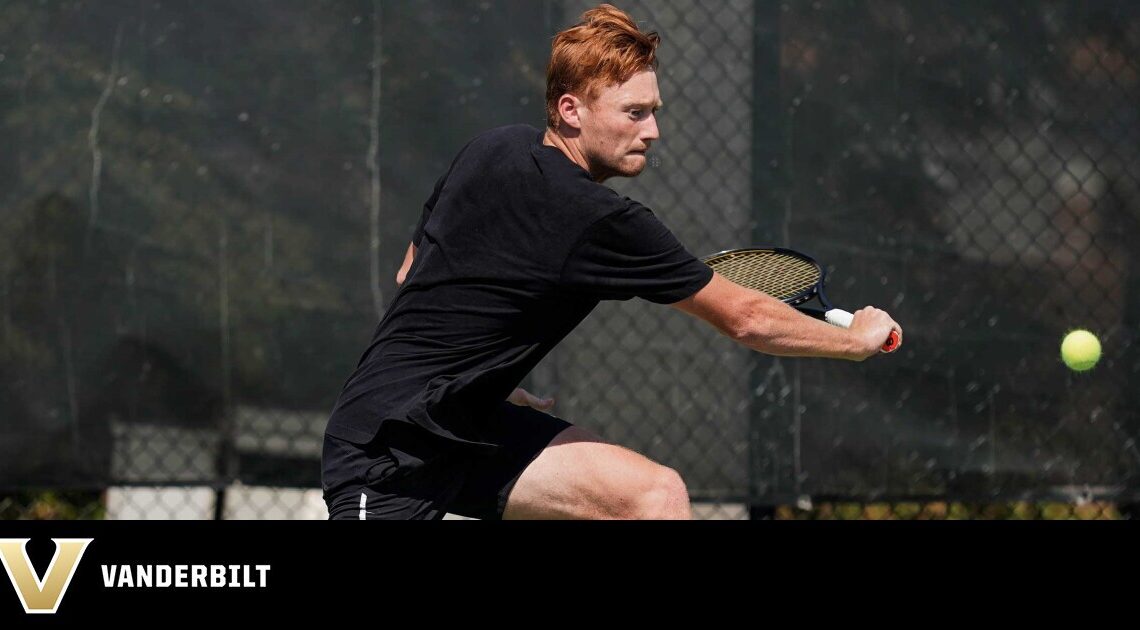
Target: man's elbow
(747, 324)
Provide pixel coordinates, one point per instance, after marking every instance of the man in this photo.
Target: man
(518, 242)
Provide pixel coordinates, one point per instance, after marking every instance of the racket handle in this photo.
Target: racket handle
(843, 319)
(892, 342)
(839, 317)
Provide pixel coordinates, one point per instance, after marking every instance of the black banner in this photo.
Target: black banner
(226, 572)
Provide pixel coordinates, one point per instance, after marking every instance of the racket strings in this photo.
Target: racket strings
(780, 275)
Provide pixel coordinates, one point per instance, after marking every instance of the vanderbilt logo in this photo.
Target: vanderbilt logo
(41, 595)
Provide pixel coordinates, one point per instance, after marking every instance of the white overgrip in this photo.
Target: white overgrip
(839, 317)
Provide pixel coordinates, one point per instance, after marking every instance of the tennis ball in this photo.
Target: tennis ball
(1080, 350)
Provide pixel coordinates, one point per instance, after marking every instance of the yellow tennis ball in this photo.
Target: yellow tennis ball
(1080, 350)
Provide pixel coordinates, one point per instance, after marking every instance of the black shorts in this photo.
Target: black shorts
(407, 472)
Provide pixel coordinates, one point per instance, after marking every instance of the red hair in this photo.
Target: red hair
(605, 48)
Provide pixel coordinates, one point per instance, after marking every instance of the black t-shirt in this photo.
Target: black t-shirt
(516, 246)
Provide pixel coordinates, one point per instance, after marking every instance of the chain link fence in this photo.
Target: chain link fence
(189, 196)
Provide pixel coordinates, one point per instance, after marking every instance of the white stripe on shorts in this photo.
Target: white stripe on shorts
(363, 505)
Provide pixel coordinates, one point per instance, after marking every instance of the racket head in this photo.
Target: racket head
(785, 274)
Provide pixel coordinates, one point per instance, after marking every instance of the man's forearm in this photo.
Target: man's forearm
(772, 327)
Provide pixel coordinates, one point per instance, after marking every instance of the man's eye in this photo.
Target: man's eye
(636, 113)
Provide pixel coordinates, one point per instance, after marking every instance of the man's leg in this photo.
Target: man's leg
(578, 475)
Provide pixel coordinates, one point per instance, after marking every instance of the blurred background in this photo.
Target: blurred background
(203, 206)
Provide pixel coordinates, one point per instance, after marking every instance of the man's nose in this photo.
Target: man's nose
(650, 132)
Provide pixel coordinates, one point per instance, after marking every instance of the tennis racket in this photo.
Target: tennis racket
(787, 275)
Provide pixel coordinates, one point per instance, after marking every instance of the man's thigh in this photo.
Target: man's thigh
(581, 476)
(522, 434)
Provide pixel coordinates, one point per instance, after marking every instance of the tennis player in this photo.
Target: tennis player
(518, 242)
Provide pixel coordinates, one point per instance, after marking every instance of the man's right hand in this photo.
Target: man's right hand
(870, 328)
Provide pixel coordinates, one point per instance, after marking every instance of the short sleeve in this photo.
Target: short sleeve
(630, 253)
(429, 205)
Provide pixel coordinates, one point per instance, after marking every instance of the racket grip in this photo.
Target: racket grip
(843, 319)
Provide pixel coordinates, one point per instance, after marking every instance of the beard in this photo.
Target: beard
(628, 165)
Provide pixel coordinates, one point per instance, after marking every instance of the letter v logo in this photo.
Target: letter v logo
(41, 595)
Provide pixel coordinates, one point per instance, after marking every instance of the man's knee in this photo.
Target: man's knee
(665, 498)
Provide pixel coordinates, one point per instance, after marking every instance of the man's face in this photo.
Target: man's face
(618, 126)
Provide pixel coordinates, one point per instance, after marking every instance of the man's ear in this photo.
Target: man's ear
(570, 110)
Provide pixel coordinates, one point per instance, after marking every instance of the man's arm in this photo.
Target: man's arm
(765, 324)
(402, 274)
